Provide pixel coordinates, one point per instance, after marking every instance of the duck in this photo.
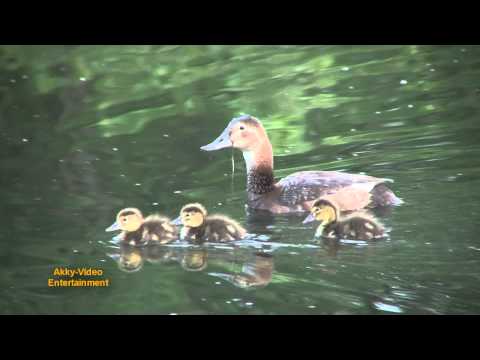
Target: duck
(357, 225)
(298, 191)
(137, 230)
(199, 227)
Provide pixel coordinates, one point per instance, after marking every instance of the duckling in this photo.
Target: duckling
(199, 227)
(138, 231)
(295, 192)
(355, 226)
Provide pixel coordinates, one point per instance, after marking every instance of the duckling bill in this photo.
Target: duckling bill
(199, 227)
(356, 226)
(137, 230)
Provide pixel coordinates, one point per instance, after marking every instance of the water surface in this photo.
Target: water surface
(87, 130)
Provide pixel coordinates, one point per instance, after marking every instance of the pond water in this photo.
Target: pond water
(88, 130)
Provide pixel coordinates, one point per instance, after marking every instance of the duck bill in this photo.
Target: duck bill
(177, 221)
(310, 218)
(221, 142)
(114, 227)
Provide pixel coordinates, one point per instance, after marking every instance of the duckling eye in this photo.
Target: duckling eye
(242, 127)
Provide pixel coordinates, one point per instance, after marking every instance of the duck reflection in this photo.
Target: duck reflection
(130, 259)
(194, 260)
(256, 270)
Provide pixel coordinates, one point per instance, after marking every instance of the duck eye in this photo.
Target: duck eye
(242, 127)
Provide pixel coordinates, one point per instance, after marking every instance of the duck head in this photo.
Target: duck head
(247, 134)
(323, 210)
(191, 215)
(128, 220)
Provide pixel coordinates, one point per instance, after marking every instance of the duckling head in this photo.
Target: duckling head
(323, 210)
(129, 220)
(244, 133)
(192, 215)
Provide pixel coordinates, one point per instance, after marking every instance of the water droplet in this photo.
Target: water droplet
(155, 204)
(378, 112)
(249, 303)
(173, 314)
(220, 204)
(177, 192)
(25, 140)
(115, 149)
(83, 79)
(410, 106)
(236, 299)
(217, 283)
(75, 251)
(228, 302)
(403, 82)
(138, 184)
(345, 68)
(351, 87)
(455, 61)
(311, 306)
(24, 76)
(13, 81)
(353, 130)
(432, 69)
(166, 135)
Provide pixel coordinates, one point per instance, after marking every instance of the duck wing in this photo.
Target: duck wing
(306, 186)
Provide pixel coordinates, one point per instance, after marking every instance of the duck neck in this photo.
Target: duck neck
(259, 163)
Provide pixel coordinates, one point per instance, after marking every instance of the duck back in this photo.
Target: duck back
(301, 188)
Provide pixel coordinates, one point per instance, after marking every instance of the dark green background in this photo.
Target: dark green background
(87, 130)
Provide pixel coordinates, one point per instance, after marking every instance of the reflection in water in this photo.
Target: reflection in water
(256, 271)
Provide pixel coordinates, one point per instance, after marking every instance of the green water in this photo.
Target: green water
(88, 130)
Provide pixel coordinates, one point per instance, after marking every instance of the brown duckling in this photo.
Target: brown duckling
(199, 227)
(355, 226)
(137, 230)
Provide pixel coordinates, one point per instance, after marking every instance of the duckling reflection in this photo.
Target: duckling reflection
(255, 273)
(159, 254)
(131, 258)
(194, 260)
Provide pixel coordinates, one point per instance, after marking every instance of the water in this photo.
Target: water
(87, 130)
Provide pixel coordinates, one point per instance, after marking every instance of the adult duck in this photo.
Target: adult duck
(298, 191)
